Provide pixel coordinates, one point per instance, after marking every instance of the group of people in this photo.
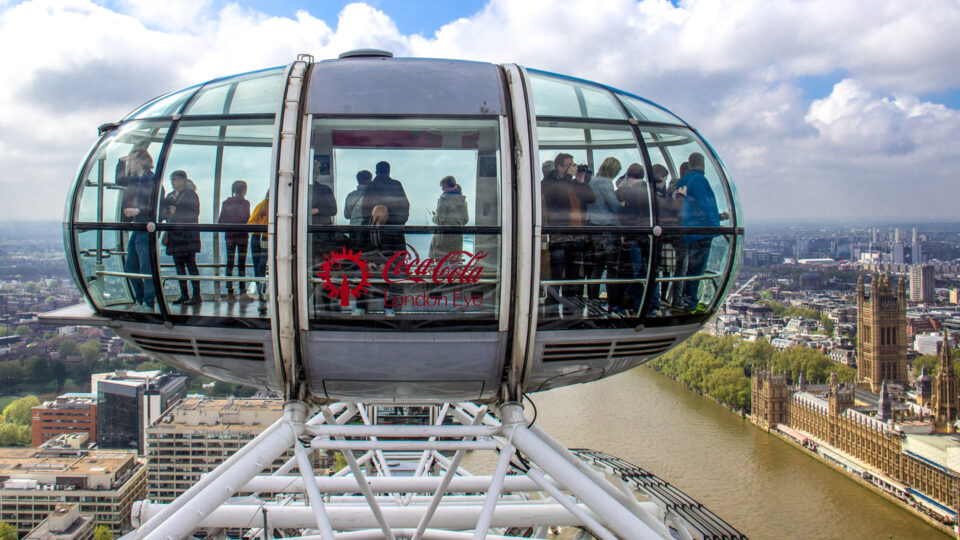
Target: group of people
(182, 205)
(573, 199)
(381, 200)
(378, 200)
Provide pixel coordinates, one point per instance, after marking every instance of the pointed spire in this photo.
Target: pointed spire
(945, 351)
(884, 406)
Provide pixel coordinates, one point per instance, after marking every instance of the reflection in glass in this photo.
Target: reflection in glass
(164, 106)
(646, 111)
(111, 182)
(556, 96)
(253, 93)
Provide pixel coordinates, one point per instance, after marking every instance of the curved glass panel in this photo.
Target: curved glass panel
(165, 106)
(217, 153)
(691, 275)
(373, 181)
(195, 264)
(556, 96)
(644, 111)
(110, 180)
(690, 200)
(111, 271)
(592, 279)
(254, 93)
(227, 164)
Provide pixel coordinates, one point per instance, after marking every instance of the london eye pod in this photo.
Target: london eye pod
(382, 229)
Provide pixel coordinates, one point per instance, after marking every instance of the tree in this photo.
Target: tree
(18, 411)
(102, 532)
(828, 325)
(23, 330)
(927, 361)
(150, 365)
(7, 531)
(129, 349)
(89, 350)
(38, 368)
(68, 347)
(60, 373)
(14, 435)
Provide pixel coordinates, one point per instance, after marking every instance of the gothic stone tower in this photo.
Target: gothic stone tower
(881, 334)
(768, 402)
(946, 400)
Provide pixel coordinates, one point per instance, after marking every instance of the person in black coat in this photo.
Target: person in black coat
(183, 206)
(385, 203)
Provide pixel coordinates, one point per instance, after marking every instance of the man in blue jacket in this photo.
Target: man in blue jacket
(699, 209)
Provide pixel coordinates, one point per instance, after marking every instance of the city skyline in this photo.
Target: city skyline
(813, 120)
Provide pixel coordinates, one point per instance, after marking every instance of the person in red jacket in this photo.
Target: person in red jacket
(236, 211)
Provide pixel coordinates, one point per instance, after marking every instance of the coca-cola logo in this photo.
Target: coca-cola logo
(408, 266)
(456, 267)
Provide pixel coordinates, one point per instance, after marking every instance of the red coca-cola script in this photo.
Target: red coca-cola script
(408, 266)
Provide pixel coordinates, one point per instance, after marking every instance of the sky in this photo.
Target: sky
(822, 110)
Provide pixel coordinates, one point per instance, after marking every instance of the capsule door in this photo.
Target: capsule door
(403, 251)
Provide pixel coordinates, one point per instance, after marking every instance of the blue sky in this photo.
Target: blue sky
(845, 109)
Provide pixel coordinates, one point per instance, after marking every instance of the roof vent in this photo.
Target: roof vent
(366, 53)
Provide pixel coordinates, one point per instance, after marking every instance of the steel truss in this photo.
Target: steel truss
(536, 484)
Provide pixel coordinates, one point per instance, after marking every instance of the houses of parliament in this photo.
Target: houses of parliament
(907, 446)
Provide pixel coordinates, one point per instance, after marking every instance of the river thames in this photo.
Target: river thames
(761, 485)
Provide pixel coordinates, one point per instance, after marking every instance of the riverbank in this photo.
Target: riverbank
(938, 525)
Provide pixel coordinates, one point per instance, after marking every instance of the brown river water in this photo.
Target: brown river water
(761, 485)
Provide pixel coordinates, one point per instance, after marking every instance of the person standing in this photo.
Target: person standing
(699, 209)
(604, 246)
(451, 212)
(385, 203)
(183, 206)
(258, 247)
(634, 193)
(565, 195)
(236, 210)
(139, 183)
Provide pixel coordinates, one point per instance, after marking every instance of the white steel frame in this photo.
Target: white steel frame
(441, 500)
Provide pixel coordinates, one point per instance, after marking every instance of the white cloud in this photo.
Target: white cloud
(733, 68)
(169, 15)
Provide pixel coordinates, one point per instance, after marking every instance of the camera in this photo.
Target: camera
(583, 169)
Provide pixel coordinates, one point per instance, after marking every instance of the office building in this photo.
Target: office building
(129, 401)
(198, 434)
(104, 483)
(65, 523)
(69, 413)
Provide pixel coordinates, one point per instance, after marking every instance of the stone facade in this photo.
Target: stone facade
(881, 334)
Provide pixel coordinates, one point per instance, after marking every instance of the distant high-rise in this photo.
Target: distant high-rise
(881, 333)
(916, 251)
(921, 283)
(898, 253)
